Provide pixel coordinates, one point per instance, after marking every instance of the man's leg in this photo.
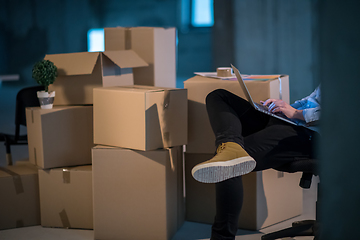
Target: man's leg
(229, 198)
(270, 144)
(231, 118)
(271, 147)
(279, 143)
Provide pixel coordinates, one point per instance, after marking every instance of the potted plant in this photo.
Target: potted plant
(45, 72)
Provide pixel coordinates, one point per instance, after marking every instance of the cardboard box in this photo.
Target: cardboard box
(60, 137)
(157, 46)
(19, 201)
(137, 190)
(201, 138)
(140, 117)
(66, 197)
(270, 196)
(79, 73)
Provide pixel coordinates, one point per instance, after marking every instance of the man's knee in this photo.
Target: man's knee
(216, 94)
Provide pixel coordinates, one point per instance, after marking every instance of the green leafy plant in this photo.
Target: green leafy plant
(44, 72)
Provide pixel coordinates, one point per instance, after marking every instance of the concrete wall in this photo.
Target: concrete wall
(257, 36)
(277, 36)
(29, 29)
(339, 149)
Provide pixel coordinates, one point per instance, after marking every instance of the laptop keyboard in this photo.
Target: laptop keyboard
(262, 107)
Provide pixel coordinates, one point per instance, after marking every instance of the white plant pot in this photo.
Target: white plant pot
(46, 99)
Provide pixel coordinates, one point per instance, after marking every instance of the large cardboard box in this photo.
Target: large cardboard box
(270, 196)
(157, 46)
(19, 201)
(137, 194)
(79, 73)
(201, 138)
(60, 137)
(140, 117)
(66, 197)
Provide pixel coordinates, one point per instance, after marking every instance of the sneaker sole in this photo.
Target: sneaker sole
(220, 171)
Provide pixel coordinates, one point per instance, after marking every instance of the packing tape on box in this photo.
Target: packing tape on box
(35, 156)
(166, 99)
(171, 155)
(224, 72)
(127, 39)
(19, 188)
(280, 88)
(66, 175)
(64, 219)
(165, 114)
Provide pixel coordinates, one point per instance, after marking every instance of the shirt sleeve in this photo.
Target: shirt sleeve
(310, 106)
(311, 114)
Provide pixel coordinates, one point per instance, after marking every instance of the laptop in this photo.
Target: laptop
(258, 106)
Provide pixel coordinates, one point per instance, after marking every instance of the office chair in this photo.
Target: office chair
(26, 97)
(309, 167)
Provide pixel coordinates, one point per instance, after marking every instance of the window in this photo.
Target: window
(196, 14)
(95, 39)
(202, 13)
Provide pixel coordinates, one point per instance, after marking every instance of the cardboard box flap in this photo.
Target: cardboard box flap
(125, 58)
(74, 63)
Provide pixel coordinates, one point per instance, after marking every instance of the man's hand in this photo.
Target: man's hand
(276, 105)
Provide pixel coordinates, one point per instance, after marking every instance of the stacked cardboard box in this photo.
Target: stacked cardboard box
(61, 139)
(137, 165)
(19, 201)
(135, 189)
(269, 196)
(157, 46)
(79, 73)
(66, 197)
(140, 131)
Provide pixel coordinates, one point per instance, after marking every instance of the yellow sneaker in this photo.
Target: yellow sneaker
(231, 160)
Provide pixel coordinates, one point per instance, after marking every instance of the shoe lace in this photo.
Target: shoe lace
(221, 147)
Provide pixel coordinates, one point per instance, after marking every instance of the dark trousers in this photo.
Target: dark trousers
(270, 141)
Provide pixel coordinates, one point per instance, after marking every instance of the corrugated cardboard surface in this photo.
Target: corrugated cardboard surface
(140, 117)
(269, 196)
(58, 137)
(66, 197)
(201, 138)
(157, 46)
(19, 201)
(79, 73)
(137, 189)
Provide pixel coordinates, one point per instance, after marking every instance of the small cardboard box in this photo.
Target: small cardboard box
(137, 189)
(60, 137)
(66, 197)
(79, 73)
(270, 196)
(201, 138)
(19, 201)
(140, 117)
(157, 46)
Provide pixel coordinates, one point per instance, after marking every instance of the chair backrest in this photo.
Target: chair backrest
(309, 167)
(26, 97)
